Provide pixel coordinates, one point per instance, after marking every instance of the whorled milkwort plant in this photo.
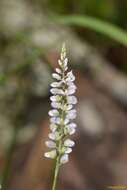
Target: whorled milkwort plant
(62, 114)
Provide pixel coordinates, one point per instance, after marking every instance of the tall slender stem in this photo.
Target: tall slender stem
(56, 173)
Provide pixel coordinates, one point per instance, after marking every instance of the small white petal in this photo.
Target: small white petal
(71, 100)
(70, 91)
(68, 150)
(55, 120)
(71, 131)
(56, 105)
(70, 76)
(56, 98)
(53, 127)
(66, 121)
(63, 55)
(69, 143)
(54, 136)
(60, 62)
(69, 107)
(51, 154)
(56, 76)
(72, 125)
(58, 71)
(71, 85)
(65, 62)
(64, 159)
(50, 144)
(53, 112)
(56, 84)
(71, 114)
(66, 68)
(57, 91)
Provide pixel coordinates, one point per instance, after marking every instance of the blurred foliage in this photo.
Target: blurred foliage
(97, 25)
(111, 10)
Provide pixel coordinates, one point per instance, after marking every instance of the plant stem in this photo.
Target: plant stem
(56, 173)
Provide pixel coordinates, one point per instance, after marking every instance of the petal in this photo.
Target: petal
(69, 107)
(57, 91)
(71, 131)
(69, 143)
(56, 76)
(56, 84)
(54, 136)
(72, 125)
(58, 71)
(71, 100)
(66, 121)
(50, 144)
(53, 127)
(70, 91)
(53, 112)
(71, 114)
(51, 154)
(60, 62)
(70, 76)
(56, 105)
(68, 150)
(64, 159)
(56, 98)
(65, 62)
(55, 120)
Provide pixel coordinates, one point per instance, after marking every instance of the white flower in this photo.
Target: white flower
(53, 127)
(50, 144)
(56, 98)
(57, 91)
(62, 102)
(69, 143)
(70, 76)
(56, 105)
(70, 90)
(51, 154)
(56, 84)
(71, 100)
(66, 121)
(53, 112)
(69, 107)
(71, 114)
(65, 62)
(55, 120)
(58, 71)
(68, 150)
(56, 76)
(69, 130)
(54, 136)
(72, 125)
(64, 159)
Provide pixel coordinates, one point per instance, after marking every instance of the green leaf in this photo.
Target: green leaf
(103, 27)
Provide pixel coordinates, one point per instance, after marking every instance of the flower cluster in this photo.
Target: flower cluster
(62, 113)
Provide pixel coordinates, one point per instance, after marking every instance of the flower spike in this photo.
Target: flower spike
(61, 114)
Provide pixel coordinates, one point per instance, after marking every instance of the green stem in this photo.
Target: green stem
(56, 173)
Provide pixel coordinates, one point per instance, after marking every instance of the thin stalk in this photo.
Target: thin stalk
(57, 167)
